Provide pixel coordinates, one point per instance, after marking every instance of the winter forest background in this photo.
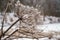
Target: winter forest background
(50, 7)
(29, 19)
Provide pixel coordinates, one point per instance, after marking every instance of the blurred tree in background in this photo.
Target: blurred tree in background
(3, 5)
(47, 7)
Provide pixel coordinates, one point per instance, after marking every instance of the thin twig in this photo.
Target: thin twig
(11, 26)
(2, 26)
(8, 4)
(3, 21)
(11, 34)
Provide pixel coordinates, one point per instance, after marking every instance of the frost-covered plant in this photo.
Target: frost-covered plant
(30, 16)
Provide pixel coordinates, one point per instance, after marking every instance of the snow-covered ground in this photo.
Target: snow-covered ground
(50, 27)
(49, 24)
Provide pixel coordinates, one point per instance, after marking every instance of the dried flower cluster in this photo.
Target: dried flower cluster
(29, 16)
